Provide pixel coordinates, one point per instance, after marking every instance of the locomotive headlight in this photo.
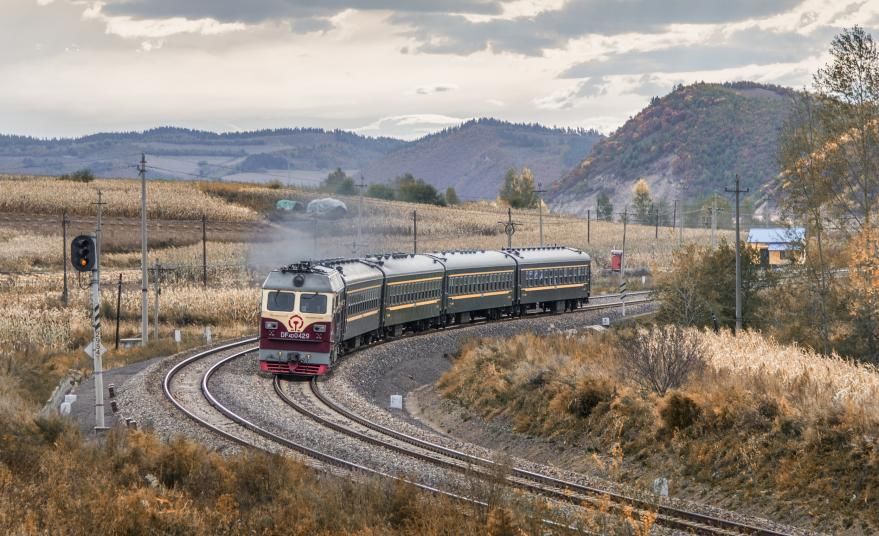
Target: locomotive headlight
(271, 325)
(320, 328)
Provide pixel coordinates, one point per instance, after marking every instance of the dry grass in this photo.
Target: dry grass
(775, 428)
(166, 199)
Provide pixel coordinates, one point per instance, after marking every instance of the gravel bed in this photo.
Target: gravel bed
(364, 381)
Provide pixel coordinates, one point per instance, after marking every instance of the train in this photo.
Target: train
(313, 312)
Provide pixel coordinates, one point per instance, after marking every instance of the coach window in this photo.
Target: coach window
(280, 301)
(312, 303)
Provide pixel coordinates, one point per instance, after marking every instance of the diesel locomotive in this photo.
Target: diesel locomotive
(314, 312)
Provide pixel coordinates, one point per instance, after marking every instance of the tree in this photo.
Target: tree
(337, 182)
(662, 357)
(415, 190)
(452, 196)
(702, 283)
(848, 88)
(518, 189)
(380, 191)
(81, 175)
(603, 207)
(642, 201)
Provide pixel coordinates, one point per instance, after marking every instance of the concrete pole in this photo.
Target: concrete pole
(64, 247)
(158, 291)
(144, 268)
(714, 224)
(96, 322)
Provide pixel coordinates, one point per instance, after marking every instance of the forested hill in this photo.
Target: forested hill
(686, 144)
(474, 156)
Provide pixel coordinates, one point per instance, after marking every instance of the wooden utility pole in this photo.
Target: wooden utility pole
(714, 223)
(118, 306)
(738, 191)
(539, 191)
(588, 225)
(674, 217)
(414, 231)
(64, 246)
(509, 227)
(204, 250)
(158, 291)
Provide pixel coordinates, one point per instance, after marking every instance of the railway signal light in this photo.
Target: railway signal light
(83, 253)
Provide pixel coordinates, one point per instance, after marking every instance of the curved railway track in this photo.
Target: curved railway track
(186, 385)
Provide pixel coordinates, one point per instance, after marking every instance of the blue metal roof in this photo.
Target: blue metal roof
(776, 235)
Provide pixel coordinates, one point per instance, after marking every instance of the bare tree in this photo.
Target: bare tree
(663, 357)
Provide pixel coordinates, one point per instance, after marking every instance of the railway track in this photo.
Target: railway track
(186, 385)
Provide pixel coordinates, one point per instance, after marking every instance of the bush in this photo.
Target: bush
(662, 358)
(679, 412)
(82, 175)
(380, 191)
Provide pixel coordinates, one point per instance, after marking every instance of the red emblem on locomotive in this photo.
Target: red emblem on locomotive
(295, 323)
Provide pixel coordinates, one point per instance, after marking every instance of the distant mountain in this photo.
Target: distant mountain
(474, 156)
(686, 144)
(301, 154)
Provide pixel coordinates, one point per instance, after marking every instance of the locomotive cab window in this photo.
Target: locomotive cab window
(313, 303)
(280, 301)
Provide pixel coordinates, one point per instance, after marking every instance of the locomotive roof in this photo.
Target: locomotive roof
(314, 278)
(394, 264)
(547, 255)
(474, 259)
(354, 270)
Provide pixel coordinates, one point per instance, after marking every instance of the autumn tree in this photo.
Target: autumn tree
(518, 189)
(338, 182)
(642, 201)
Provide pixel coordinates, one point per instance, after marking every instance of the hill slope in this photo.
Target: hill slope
(474, 156)
(687, 144)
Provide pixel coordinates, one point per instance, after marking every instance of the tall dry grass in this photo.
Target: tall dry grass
(166, 199)
(768, 425)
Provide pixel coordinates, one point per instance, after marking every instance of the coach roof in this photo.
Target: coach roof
(354, 270)
(474, 259)
(397, 264)
(548, 255)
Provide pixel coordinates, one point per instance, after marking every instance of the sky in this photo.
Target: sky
(399, 68)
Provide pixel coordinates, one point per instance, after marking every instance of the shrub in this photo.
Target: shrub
(662, 358)
(679, 412)
(82, 175)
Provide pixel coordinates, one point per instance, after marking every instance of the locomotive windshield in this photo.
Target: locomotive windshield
(280, 301)
(313, 303)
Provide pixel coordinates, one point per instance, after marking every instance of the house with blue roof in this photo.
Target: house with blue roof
(778, 245)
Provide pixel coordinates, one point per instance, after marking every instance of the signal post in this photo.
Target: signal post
(84, 255)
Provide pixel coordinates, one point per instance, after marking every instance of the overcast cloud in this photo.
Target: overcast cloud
(389, 67)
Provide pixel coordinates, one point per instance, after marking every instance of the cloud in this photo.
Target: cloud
(752, 46)
(256, 11)
(553, 29)
(429, 90)
(410, 126)
(567, 99)
(650, 85)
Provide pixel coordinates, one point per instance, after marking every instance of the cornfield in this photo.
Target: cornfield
(165, 199)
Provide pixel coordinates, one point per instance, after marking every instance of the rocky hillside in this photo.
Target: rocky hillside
(474, 156)
(687, 144)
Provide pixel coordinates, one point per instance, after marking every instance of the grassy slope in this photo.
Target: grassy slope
(769, 428)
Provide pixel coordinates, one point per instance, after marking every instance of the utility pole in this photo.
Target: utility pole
(588, 225)
(681, 229)
(738, 191)
(414, 231)
(714, 223)
(509, 227)
(674, 217)
(539, 191)
(204, 250)
(158, 289)
(623, 261)
(314, 236)
(64, 223)
(361, 187)
(96, 323)
(118, 306)
(656, 233)
(144, 276)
